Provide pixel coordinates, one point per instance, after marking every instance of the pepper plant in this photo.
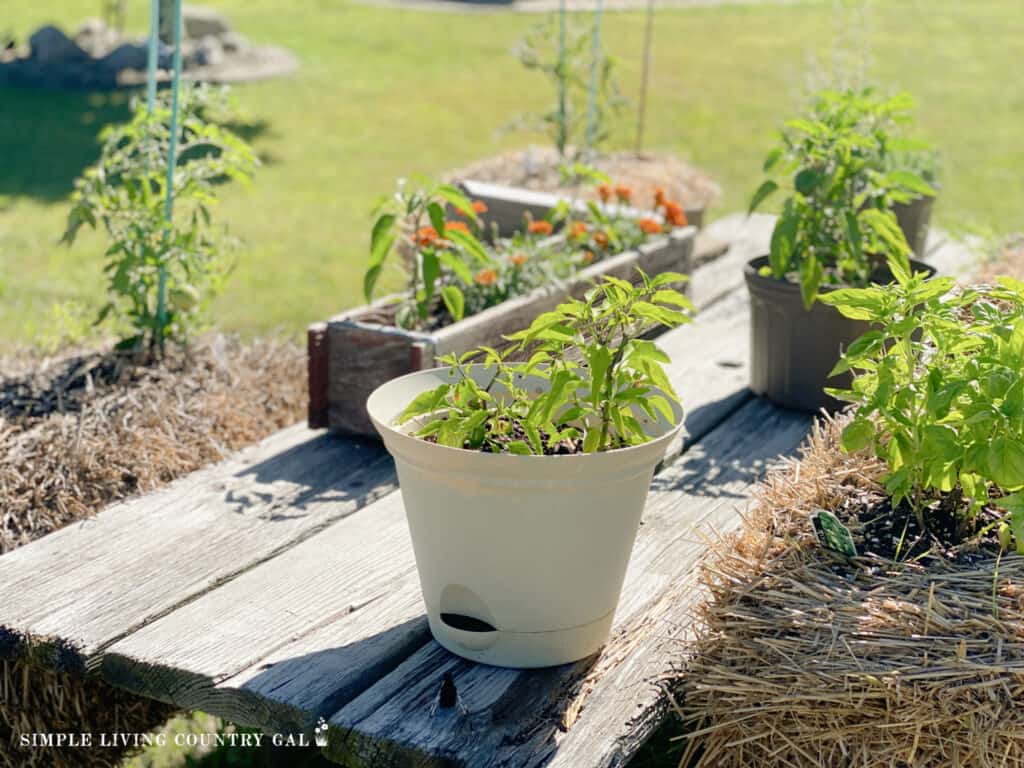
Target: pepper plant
(837, 224)
(602, 375)
(939, 388)
(124, 194)
(413, 224)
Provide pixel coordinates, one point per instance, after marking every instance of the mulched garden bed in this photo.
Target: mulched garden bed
(537, 168)
(86, 429)
(809, 658)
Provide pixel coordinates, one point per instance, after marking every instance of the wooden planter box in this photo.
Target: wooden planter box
(350, 355)
(506, 206)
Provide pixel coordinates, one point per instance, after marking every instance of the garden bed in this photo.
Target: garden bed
(534, 172)
(808, 658)
(354, 352)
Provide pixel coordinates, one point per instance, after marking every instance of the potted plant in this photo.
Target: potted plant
(524, 482)
(461, 293)
(836, 229)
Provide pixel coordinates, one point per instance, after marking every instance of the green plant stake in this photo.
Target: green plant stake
(172, 159)
(595, 62)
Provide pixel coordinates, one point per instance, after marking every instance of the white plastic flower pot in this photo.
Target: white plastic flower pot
(521, 558)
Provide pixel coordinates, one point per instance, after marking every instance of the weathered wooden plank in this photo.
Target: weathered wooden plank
(297, 666)
(747, 237)
(336, 586)
(94, 582)
(519, 718)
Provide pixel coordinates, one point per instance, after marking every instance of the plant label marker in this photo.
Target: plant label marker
(833, 534)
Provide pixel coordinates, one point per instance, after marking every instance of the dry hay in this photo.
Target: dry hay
(148, 427)
(538, 168)
(1008, 260)
(805, 659)
(35, 700)
(87, 429)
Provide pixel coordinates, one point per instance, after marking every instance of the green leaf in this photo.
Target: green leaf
(1005, 463)
(470, 245)
(519, 448)
(370, 281)
(911, 182)
(457, 266)
(599, 358)
(857, 435)
(430, 271)
(762, 193)
(857, 303)
(457, 200)
(1014, 504)
(806, 181)
(454, 301)
(426, 402)
(382, 238)
(668, 278)
(772, 159)
(673, 298)
(436, 213)
(811, 274)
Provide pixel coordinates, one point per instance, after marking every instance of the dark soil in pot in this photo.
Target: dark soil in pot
(914, 219)
(793, 349)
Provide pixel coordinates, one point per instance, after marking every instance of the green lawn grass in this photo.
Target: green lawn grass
(385, 92)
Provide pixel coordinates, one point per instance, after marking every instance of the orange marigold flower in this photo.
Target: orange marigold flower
(486, 276)
(674, 214)
(624, 193)
(479, 206)
(578, 229)
(588, 256)
(601, 238)
(426, 236)
(518, 259)
(649, 226)
(604, 191)
(456, 226)
(539, 227)
(659, 197)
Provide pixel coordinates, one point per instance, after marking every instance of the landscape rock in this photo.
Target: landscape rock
(49, 45)
(209, 52)
(199, 22)
(126, 56)
(95, 37)
(233, 42)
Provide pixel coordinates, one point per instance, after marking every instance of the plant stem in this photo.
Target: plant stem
(645, 76)
(562, 130)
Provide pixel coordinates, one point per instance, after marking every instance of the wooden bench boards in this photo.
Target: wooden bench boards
(252, 590)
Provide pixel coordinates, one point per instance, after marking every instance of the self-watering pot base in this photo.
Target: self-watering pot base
(520, 650)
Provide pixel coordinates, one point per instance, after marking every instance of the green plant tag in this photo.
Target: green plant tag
(833, 534)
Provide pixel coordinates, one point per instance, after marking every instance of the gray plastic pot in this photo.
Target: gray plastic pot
(914, 219)
(793, 349)
(521, 559)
